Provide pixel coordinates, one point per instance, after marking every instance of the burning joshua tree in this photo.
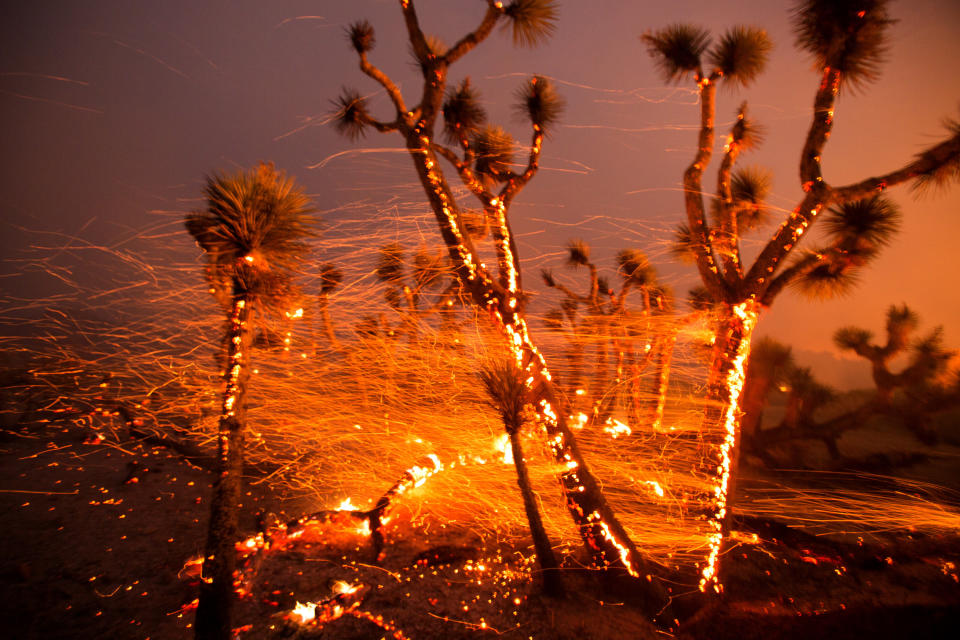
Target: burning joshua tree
(252, 233)
(847, 40)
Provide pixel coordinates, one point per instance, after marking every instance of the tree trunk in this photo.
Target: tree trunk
(661, 379)
(213, 619)
(600, 530)
(722, 420)
(541, 542)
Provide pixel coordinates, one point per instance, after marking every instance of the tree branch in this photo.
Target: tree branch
(478, 35)
(392, 90)
(925, 163)
(693, 192)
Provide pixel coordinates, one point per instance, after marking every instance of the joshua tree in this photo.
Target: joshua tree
(481, 155)
(608, 323)
(847, 40)
(418, 289)
(503, 381)
(252, 231)
(769, 365)
(929, 356)
(330, 279)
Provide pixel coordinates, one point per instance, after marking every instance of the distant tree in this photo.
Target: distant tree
(847, 41)
(481, 154)
(503, 381)
(769, 366)
(623, 341)
(928, 357)
(422, 288)
(252, 232)
(330, 279)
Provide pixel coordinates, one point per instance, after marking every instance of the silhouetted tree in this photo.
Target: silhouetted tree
(847, 40)
(252, 231)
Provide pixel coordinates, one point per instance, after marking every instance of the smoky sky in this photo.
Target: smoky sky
(112, 113)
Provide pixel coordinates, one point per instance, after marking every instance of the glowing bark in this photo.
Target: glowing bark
(217, 588)
(730, 352)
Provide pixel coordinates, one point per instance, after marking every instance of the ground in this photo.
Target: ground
(97, 535)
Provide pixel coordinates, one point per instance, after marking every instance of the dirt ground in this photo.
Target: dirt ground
(96, 536)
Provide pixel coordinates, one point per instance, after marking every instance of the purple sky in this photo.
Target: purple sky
(113, 111)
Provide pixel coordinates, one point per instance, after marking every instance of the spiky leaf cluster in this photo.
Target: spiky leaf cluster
(847, 35)
(390, 267)
(494, 149)
(677, 50)
(741, 54)
(578, 254)
(548, 278)
(901, 322)
(746, 132)
(462, 113)
(863, 227)
(683, 247)
(834, 279)
(539, 102)
(531, 21)
(504, 384)
(350, 116)
(945, 172)
(633, 266)
(361, 36)
(253, 229)
(428, 269)
(852, 338)
(330, 278)
(749, 188)
(699, 299)
(769, 360)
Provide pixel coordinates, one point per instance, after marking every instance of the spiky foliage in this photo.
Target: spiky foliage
(872, 221)
(683, 247)
(741, 54)
(504, 384)
(852, 338)
(749, 188)
(847, 35)
(494, 149)
(836, 279)
(901, 322)
(350, 116)
(746, 132)
(539, 102)
(389, 267)
(462, 113)
(361, 36)
(548, 278)
(253, 229)
(944, 173)
(770, 359)
(677, 50)
(807, 394)
(578, 253)
(634, 266)
(429, 269)
(330, 278)
(531, 21)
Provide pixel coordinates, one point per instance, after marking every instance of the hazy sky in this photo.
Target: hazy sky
(113, 111)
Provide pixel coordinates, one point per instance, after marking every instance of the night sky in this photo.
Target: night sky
(113, 112)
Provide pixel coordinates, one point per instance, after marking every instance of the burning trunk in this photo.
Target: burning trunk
(599, 528)
(216, 588)
(722, 416)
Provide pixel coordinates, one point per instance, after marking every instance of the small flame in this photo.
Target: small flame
(502, 444)
(346, 505)
(307, 611)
